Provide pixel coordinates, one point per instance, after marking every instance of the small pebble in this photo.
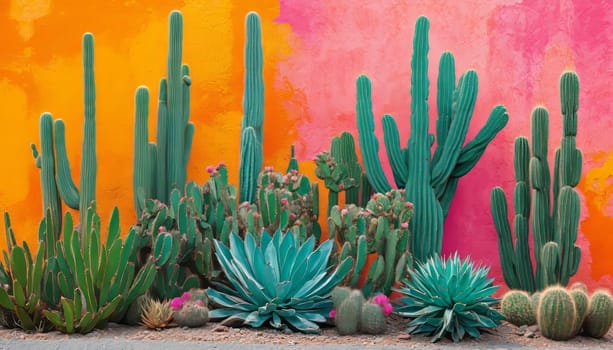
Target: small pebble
(220, 329)
(405, 336)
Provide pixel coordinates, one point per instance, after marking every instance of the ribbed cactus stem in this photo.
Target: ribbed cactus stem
(161, 174)
(253, 110)
(176, 131)
(142, 175)
(88, 153)
(46, 160)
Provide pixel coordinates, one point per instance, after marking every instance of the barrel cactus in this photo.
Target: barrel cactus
(581, 300)
(556, 314)
(600, 314)
(516, 306)
(353, 313)
(189, 311)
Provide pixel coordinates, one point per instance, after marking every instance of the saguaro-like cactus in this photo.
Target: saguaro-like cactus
(52, 135)
(554, 225)
(160, 168)
(430, 182)
(253, 110)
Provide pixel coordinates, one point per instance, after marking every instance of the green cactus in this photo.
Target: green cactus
(348, 313)
(581, 304)
(600, 314)
(161, 168)
(535, 300)
(554, 225)
(56, 178)
(372, 319)
(192, 314)
(580, 286)
(430, 182)
(253, 110)
(381, 228)
(556, 314)
(516, 306)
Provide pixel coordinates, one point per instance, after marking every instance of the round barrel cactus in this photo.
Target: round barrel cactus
(600, 314)
(556, 314)
(516, 306)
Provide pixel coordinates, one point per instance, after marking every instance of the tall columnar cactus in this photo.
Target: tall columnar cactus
(554, 225)
(52, 134)
(253, 111)
(430, 181)
(160, 168)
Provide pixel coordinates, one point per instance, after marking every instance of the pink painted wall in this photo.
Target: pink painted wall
(314, 50)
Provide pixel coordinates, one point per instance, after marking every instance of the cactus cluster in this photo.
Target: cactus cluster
(561, 313)
(190, 309)
(554, 226)
(56, 180)
(430, 181)
(382, 229)
(353, 313)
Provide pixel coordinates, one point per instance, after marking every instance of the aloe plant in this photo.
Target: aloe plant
(449, 297)
(279, 280)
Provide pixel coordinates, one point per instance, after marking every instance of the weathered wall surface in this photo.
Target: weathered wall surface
(314, 50)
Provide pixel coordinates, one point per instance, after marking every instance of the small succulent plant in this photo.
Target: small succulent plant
(190, 310)
(448, 298)
(556, 314)
(599, 315)
(353, 313)
(516, 306)
(156, 314)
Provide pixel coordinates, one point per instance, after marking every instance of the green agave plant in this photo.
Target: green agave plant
(449, 297)
(281, 280)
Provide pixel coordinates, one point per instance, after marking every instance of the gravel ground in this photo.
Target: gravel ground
(214, 336)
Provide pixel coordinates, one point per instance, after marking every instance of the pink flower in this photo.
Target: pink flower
(404, 225)
(344, 212)
(210, 169)
(332, 313)
(176, 303)
(200, 303)
(283, 201)
(387, 309)
(162, 229)
(294, 178)
(380, 299)
(186, 296)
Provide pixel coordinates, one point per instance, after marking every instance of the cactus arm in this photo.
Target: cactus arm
(161, 191)
(175, 102)
(141, 152)
(253, 110)
(66, 186)
(349, 159)
(474, 149)
(187, 126)
(88, 156)
(523, 262)
(46, 158)
(444, 100)
(394, 152)
(448, 193)
(566, 235)
(467, 95)
(293, 162)
(505, 241)
(368, 141)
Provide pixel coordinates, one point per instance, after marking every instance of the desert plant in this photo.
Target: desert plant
(279, 280)
(353, 313)
(553, 225)
(581, 300)
(556, 314)
(190, 309)
(516, 306)
(430, 182)
(56, 180)
(381, 228)
(448, 298)
(156, 314)
(599, 315)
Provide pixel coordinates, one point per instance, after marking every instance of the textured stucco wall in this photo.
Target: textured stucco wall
(314, 50)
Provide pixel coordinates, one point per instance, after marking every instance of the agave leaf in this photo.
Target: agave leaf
(238, 319)
(302, 324)
(255, 319)
(69, 314)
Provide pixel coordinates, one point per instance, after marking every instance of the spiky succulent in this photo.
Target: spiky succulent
(448, 298)
(279, 280)
(156, 314)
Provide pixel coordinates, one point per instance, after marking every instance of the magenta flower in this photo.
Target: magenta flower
(186, 296)
(332, 313)
(210, 169)
(380, 299)
(176, 303)
(404, 225)
(387, 309)
(200, 303)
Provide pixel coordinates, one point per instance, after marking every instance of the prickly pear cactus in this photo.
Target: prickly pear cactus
(516, 306)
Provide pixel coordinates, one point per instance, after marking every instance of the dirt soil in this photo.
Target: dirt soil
(504, 336)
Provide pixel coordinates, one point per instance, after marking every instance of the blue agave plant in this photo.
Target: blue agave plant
(278, 280)
(448, 298)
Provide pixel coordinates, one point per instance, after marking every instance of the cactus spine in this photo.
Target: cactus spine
(253, 110)
(430, 182)
(160, 168)
(554, 225)
(600, 315)
(556, 314)
(516, 306)
(52, 133)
